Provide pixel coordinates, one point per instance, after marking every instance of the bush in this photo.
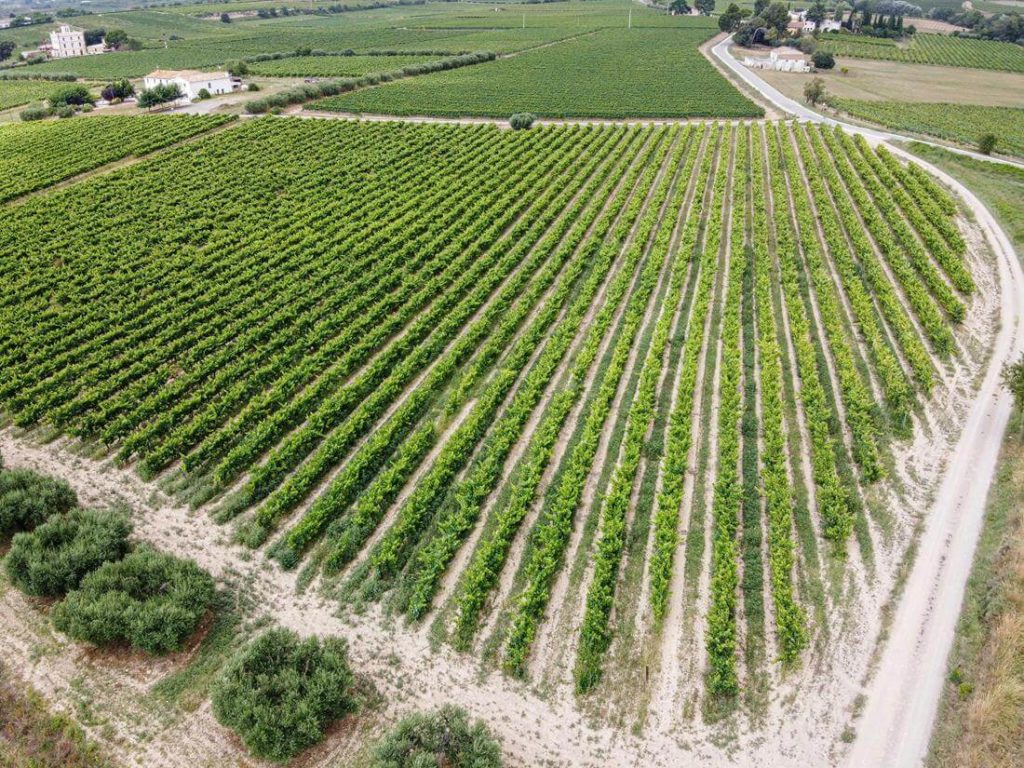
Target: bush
(253, 87)
(149, 599)
(67, 111)
(280, 693)
(34, 113)
(55, 557)
(28, 499)
(823, 60)
(203, 94)
(444, 739)
(987, 143)
(521, 121)
(73, 95)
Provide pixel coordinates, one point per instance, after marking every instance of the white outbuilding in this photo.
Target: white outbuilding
(780, 61)
(191, 82)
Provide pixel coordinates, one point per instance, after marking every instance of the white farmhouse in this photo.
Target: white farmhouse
(780, 61)
(191, 82)
(830, 25)
(68, 42)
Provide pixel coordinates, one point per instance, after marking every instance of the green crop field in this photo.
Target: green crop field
(452, 403)
(931, 49)
(15, 93)
(335, 66)
(611, 73)
(960, 123)
(36, 155)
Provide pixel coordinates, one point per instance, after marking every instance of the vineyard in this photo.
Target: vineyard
(942, 50)
(37, 155)
(569, 395)
(952, 122)
(582, 77)
(336, 66)
(15, 93)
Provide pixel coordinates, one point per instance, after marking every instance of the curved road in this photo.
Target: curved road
(903, 696)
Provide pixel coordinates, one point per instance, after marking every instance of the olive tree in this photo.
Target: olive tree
(281, 693)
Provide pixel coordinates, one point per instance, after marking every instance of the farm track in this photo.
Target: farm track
(563, 569)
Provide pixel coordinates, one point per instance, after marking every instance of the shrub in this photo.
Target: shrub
(444, 739)
(521, 121)
(55, 557)
(823, 60)
(253, 87)
(74, 95)
(152, 600)
(34, 113)
(28, 499)
(67, 111)
(280, 693)
(987, 143)
(203, 94)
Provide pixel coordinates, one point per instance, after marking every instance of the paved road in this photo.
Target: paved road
(903, 696)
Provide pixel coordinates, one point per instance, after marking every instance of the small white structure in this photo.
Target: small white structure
(191, 82)
(831, 25)
(780, 61)
(67, 42)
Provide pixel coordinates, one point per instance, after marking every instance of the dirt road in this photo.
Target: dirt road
(904, 695)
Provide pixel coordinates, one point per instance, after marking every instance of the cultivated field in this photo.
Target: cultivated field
(38, 155)
(15, 93)
(660, 429)
(608, 73)
(952, 122)
(931, 49)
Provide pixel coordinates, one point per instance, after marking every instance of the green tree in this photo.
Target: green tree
(237, 68)
(94, 36)
(224, 17)
(823, 60)
(281, 692)
(776, 16)
(160, 94)
(706, 7)
(814, 91)
(987, 143)
(117, 38)
(730, 18)
(680, 7)
(71, 95)
(817, 12)
(6, 49)
(1013, 380)
(441, 739)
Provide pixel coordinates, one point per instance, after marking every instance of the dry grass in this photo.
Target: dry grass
(892, 81)
(981, 720)
(33, 737)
